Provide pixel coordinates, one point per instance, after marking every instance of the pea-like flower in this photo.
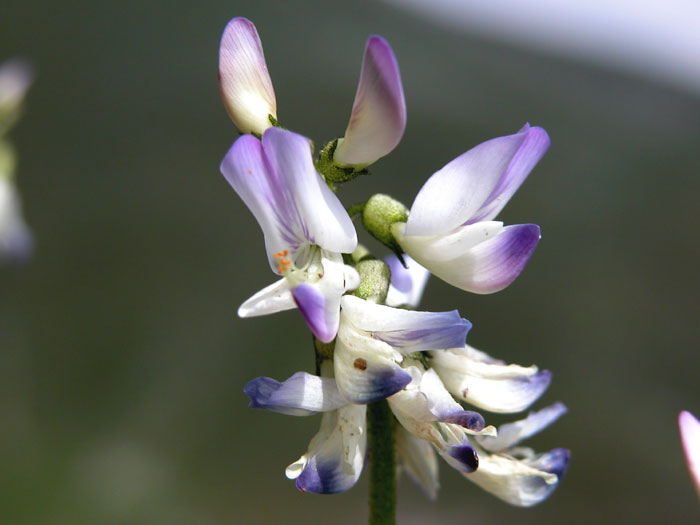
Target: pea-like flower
(374, 339)
(244, 81)
(336, 454)
(378, 117)
(305, 226)
(450, 229)
(690, 437)
(517, 474)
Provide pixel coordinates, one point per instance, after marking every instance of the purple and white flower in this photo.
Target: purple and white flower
(305, 226)
(450, 229)
(244, 81)
(373, 340)
(516, 474)
(335, 457)
(427, 410)
(475, 377)
(690, 437)
(378, 116)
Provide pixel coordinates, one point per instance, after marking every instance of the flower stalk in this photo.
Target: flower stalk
(382, 464)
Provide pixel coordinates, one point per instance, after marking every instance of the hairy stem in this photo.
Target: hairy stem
(382, 464)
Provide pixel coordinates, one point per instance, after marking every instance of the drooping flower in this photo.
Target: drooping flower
(244, 81)
(426, 410)
(490, 459)
(335, 457)
(475, 377)
(515, 474)
(690, 437)
(450, 229)
(374, 339)
(378, 116)
(305, 226)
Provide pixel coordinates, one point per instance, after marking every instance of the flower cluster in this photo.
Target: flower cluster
(370, 342)
(15, 238)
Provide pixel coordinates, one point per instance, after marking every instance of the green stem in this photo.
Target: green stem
(382, 464)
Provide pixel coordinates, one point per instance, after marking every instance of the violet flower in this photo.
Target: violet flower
(450, 229)
(378, 116)
(305, 226)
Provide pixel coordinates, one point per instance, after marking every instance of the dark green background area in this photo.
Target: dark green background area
(122, 361)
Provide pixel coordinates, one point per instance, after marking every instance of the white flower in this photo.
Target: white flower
(305, 226)
(244, 82)
(450, 228)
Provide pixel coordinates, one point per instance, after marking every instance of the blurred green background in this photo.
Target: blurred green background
(122, 361)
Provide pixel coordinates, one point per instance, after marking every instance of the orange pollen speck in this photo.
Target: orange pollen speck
(250, 171)
(283, 263)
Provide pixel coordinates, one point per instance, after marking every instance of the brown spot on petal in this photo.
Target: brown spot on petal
(360, 364)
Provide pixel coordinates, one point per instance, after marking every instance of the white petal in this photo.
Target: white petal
(479, 258)
(336, 454)
(378, 115)
(405, 330)
(274, 298)
(244, 81)
(514, 481)
(302, 394)
(418, 458)
(448, 246)
(493, 387)
(365, 368)
(510, 434)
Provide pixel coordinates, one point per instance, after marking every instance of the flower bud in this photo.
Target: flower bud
(374, 280)
(378, 116)
(244, 82)
(380, 212)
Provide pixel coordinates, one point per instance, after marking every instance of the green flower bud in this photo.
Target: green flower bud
(380, 212)
(374, 280)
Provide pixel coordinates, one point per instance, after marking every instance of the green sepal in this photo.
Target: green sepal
(380, 212)
(375, 277)
(333, 173)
